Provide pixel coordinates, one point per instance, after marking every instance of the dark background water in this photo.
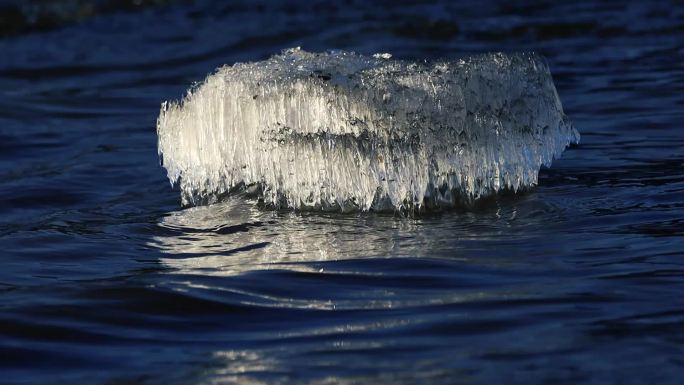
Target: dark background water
(104, 279)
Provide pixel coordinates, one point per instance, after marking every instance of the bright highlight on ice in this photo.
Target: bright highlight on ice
(342, 131)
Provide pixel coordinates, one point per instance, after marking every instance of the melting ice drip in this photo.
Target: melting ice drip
(342, 131)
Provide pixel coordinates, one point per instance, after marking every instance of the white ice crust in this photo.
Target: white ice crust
(342, 131)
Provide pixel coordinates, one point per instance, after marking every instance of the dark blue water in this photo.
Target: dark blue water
(105, 279)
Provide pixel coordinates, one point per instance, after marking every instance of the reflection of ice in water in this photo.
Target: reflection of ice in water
(244, 367)
(239, 363)
(234, 236)
(326, 285)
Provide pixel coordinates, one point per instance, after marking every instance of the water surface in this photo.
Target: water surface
(105, 279)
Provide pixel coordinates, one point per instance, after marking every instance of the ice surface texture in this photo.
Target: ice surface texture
(342, 131)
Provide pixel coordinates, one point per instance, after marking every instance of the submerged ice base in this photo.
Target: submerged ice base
(342, 131)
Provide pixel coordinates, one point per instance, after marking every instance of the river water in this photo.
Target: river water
(106, 279)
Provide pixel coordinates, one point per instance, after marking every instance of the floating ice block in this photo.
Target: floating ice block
(342, 131)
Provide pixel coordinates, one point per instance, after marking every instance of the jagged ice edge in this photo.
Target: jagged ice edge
(344, 131)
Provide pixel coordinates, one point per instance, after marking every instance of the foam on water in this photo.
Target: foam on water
(342, 131)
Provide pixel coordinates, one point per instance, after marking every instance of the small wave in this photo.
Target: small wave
(342, 131)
